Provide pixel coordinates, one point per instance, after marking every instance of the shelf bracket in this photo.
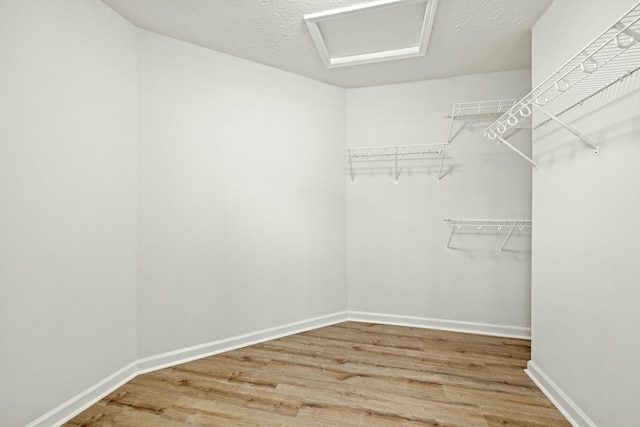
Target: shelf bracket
(453, 227)
(507, 239)
(569, 128)
(350, 167)
(453, 116)
(441, 162)
(524, 156)
(397, 174)
(496, 225)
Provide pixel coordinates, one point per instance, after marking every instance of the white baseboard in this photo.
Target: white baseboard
(565, 405)
(82, 401)
(446, 325)
(188, 354)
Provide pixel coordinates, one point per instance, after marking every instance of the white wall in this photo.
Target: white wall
(585, 244)
(67, 201)
(242, 198)
(397, 264)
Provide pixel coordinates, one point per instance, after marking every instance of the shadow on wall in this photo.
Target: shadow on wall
(606, 117)
(566, 148)
(492, 244)
(519, 255)
(477, 125)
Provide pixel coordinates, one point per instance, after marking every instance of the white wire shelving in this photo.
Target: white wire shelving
(395, 153)
(487, 225)
(477, 109)
(608, 59)
(480, 108)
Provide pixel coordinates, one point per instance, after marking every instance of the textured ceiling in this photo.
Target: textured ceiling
(469, 36)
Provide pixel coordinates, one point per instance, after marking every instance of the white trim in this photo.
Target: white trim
(442, 324)
(318, 40)
(313, 21)
(189, 354)
(565, 405)
(368, 58)
(355, 8)
(84, 400)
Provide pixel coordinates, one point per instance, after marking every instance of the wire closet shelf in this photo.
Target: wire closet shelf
(395, 153)
(608, 59)
(480, 108)
(476, 109)
(493, 225)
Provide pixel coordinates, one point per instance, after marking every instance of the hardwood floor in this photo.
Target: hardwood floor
(351, 374)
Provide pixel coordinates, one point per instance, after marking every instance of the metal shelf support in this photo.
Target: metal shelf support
(524, 156)
(569, 128)
(396, 153)
(450, 237)
(507, 239)
(461, 110)
(610, 58)
(496, 225)
(351, 169)
(395, 182)
(441, 163)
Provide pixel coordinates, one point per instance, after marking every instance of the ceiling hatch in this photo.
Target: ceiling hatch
(382, 30)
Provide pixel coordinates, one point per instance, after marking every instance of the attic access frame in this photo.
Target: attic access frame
(407, 49)
(608, 59)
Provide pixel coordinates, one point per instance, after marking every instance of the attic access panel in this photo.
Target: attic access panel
(382, 30)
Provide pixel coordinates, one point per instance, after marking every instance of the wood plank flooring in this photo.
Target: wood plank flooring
(351, 374)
